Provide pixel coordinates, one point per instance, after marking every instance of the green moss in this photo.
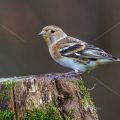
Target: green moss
(48, 112)
(6, 89)
(7, 85)
(86, 99)
(45, 113)
(6, 115)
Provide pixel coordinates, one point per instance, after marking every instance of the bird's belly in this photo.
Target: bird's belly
(91, 65)
(94, 64)
(75, 65)
(70, 63)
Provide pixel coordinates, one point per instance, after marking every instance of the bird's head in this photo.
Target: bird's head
(52, 33)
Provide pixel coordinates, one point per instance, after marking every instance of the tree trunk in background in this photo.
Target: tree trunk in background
(45, 97)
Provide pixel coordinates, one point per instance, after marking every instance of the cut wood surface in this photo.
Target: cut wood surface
(21, 95)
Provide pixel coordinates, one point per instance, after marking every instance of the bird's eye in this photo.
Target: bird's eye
(52, 31)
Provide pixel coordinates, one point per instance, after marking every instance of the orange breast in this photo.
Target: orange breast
(54, 52)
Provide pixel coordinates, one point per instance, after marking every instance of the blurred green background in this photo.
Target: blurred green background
(22, 52)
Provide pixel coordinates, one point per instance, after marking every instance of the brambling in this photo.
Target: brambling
(73, 53)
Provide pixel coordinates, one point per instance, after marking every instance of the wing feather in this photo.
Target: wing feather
(79, 49)
(91, 51)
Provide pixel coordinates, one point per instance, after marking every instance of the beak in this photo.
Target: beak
(42, 33)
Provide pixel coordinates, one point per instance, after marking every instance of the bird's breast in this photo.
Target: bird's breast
(54, 52)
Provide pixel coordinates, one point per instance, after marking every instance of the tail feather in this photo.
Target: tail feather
(116, 59)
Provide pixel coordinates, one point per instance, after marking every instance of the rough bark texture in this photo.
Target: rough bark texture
(23, 94)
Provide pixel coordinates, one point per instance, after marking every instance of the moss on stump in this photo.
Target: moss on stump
(45, 97)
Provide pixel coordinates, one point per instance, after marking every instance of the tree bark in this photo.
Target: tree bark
(22, 94)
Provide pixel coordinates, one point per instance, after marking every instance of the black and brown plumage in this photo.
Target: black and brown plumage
(74, 53)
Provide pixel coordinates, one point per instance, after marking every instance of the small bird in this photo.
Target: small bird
(73, 53)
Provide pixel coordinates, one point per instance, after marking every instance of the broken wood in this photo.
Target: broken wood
(60, 94)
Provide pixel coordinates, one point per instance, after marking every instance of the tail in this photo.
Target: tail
(116, 59)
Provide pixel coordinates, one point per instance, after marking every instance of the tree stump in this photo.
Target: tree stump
(45, 97)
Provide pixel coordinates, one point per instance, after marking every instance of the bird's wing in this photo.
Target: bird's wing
(79, 49)
(91, 51)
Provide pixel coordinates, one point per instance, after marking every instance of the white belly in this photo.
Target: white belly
(67, 62)
(77, 66)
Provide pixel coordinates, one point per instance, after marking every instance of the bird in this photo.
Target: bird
(74, 53)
